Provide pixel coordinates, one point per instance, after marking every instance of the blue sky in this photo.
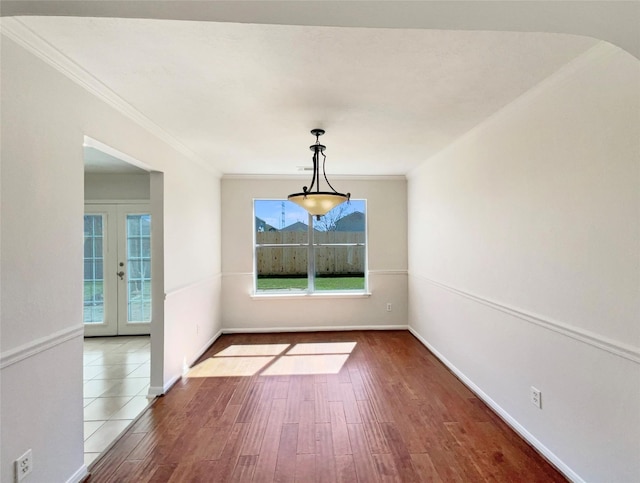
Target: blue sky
(271, 211)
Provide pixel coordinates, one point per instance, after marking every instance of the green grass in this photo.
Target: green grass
(323, 283)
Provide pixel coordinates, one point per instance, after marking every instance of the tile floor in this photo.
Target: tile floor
(116, 383)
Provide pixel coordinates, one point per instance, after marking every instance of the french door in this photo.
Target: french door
(117, 270)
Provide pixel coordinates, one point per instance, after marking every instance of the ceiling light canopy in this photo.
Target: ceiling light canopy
(318, 202)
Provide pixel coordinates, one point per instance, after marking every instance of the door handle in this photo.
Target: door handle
(121, 275)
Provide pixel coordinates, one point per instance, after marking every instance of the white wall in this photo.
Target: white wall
(44, 119)
(387, 260)
(116, 187)
(524, 263)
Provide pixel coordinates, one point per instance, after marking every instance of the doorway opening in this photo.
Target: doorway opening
(123, 306)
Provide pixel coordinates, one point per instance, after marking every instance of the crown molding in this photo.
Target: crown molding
(17, 31)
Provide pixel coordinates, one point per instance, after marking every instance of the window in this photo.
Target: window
(93, 270)
(297, 253)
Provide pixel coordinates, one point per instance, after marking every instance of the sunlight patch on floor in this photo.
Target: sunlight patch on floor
(253, 350)
(275, 360)
(322, 348)
(306, 365)
(229, 366)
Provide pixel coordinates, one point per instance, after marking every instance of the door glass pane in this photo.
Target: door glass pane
(93, 270)
(139, 268)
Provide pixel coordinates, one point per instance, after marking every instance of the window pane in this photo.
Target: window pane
(133, 247)
(339, 260)
(88, 270)
(88, 247)
(280, 221)
(145, 225)
(133, 225)
(340, 267)
(145, 247)
(99, 266)
(347, 217)
(93, 299)
(138, 268)
(282, 237)
(338, 237)
(281, 268)
(98, 247)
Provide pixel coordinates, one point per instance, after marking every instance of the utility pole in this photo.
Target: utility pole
(282, 218)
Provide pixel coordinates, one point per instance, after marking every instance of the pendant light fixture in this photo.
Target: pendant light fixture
(318, 202)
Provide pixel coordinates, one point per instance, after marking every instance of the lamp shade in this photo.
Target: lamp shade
(318, 203)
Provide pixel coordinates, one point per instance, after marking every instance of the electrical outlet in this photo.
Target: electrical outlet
(536, 397)
(24, 465)
(388, 306)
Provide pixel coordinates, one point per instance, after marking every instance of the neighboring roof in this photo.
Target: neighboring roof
(297, 226)
(352, 222)
(262, 225)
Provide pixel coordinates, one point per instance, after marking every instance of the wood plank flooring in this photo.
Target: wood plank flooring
(391, 413)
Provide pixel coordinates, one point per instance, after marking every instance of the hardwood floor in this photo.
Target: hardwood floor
(391, 412)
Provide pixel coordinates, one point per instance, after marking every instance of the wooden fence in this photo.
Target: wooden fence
(292, 261)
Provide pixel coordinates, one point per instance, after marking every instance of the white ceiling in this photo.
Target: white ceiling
(99, 162)
(243, 97)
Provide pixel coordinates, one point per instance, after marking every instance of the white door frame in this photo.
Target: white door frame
(157, 385)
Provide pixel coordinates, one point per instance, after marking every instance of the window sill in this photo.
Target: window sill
(327, 295)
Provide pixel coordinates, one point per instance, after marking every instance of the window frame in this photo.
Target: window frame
(310, 245)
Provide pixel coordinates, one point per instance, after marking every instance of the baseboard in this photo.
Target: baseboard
(155, 391)
(205, 348)
(504, 415)
(80, 475)
(340, 328)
